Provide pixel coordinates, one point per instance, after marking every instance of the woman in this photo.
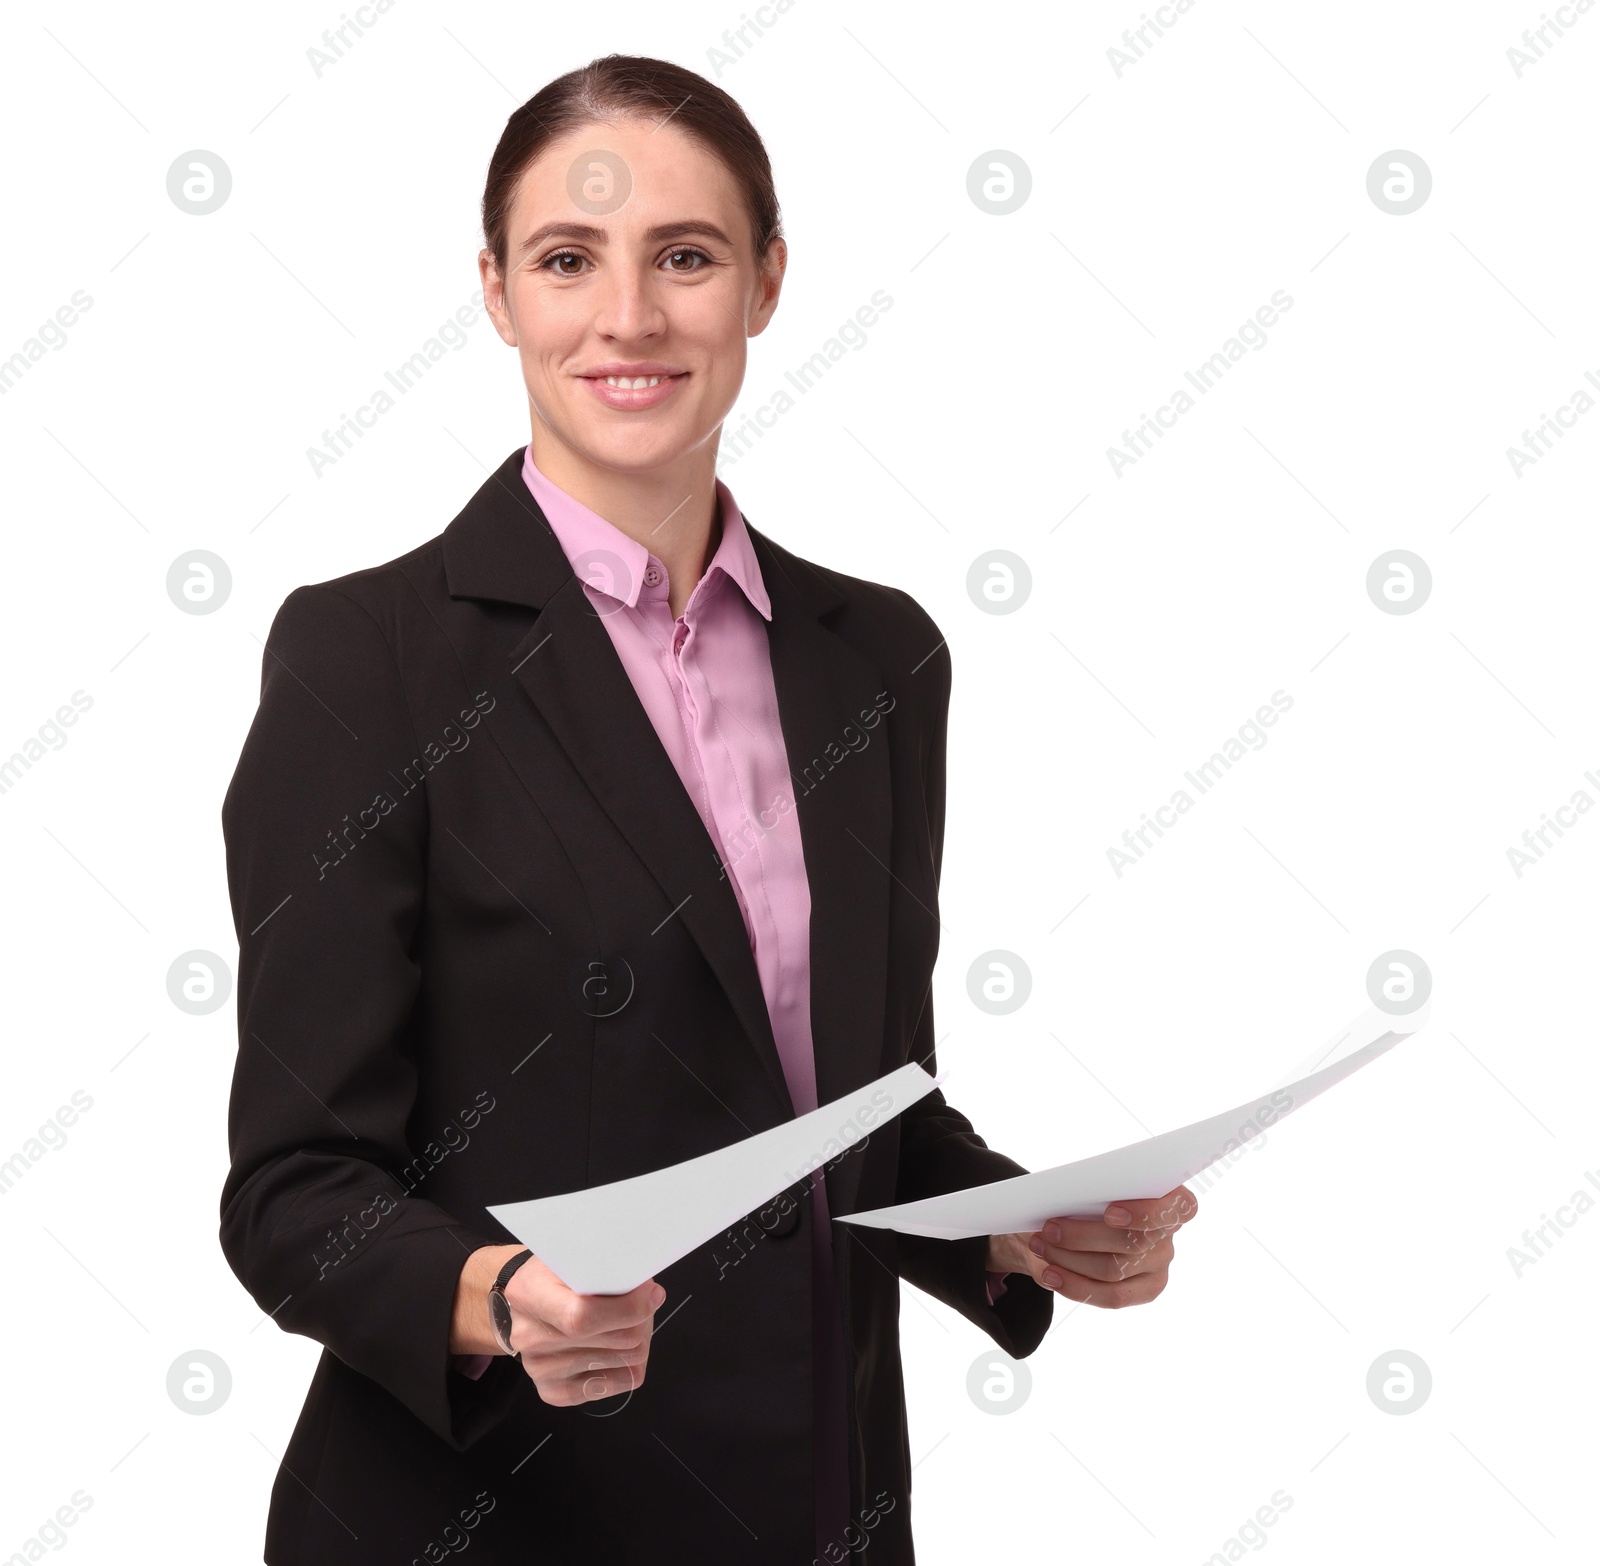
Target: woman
(594, 834)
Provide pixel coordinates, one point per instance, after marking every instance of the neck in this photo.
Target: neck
(671, 510)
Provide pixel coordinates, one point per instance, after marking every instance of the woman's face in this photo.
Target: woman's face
(628, 254)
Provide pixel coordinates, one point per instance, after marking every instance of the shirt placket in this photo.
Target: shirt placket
(694, 700)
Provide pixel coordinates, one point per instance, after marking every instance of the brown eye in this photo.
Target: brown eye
(697, 255)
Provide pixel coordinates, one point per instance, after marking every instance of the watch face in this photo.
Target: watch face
(500, 1320)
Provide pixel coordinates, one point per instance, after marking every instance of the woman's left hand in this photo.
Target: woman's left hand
(1115, 1260)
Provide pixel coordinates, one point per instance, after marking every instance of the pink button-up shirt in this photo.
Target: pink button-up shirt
(704, 679)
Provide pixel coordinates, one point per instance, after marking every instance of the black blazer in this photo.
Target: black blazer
(487, 953)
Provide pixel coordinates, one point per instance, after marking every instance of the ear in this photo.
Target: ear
(494, 297)
(772, 270)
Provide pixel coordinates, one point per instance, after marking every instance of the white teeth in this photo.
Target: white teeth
(634, 383)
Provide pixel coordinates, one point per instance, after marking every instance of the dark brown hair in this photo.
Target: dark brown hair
(623, 86)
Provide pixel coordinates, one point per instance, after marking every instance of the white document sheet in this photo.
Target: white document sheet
(611, 1238)
(1143, 1169)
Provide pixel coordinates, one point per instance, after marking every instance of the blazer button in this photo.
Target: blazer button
(781, 1216)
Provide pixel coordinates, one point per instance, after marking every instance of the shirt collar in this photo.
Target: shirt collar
(610, 562)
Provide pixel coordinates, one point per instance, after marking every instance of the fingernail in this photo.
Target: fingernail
(1036, 1245)
(1051, 1278)
(1052, 1232)
(1117, 1215)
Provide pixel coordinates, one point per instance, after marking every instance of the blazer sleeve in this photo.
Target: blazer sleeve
(326, 895)
(939, 1150)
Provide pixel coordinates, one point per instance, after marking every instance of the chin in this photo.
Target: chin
(639, 452)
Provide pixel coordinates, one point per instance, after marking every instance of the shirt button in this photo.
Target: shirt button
(652, 576)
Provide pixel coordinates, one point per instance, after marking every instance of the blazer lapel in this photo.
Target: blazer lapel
(501, 548)
(839, 769)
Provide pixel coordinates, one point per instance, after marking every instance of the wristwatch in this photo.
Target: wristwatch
(499, 1310)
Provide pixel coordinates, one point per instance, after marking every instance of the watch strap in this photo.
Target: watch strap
(512, 1263)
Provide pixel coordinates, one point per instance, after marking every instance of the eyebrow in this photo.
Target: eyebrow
(597, 236)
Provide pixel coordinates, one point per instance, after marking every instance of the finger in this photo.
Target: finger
(589, 1386)
(562, 1358)
(550, 1346)
(563, 1364)
(1156, 1212)
(623, 1338)
(1109, 1266)
(608, 1383)
(583, 1315)
(1092, 1234)
(536, 1291)
(1107, 1295)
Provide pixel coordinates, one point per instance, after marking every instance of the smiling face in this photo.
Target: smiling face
(630, 291)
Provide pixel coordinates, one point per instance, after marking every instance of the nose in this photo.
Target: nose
(629, 308)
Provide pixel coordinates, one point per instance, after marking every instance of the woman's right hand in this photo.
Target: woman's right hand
(576, 1348)
(580, 1347)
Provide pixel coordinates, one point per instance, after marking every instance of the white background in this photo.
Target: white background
(1168, 203)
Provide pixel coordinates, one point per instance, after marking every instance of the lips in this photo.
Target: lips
(632, 367)
(637, 393)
